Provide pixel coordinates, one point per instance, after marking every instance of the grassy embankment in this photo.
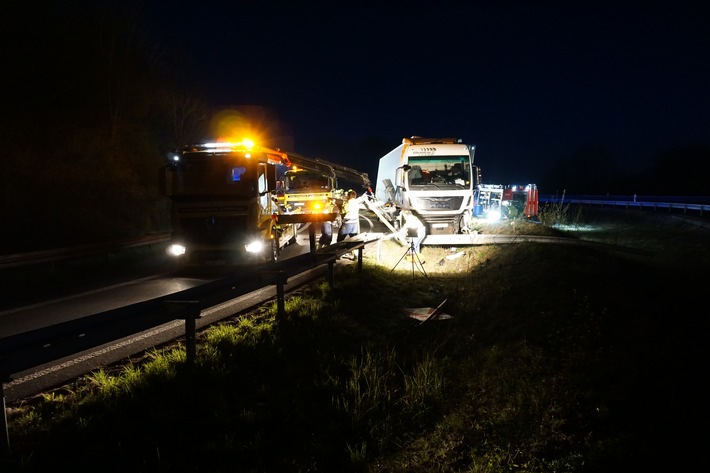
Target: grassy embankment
(557, 358)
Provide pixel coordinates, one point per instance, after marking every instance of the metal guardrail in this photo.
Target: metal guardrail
(37, 347)
(33, 348)
(697, 204)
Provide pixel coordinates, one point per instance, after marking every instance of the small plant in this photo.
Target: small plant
(555, 213)
(425, 385)
(369, 385)
(357, 453)
(105, 385)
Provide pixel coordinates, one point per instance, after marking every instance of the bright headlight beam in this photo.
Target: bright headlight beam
(493, 215)
(254, 247)
(177, 250)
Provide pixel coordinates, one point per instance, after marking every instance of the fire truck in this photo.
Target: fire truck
(521, 200)
(495, 202)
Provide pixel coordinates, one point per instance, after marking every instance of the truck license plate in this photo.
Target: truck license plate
(215, 262)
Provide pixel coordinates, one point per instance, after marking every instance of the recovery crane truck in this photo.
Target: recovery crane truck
(312, 184)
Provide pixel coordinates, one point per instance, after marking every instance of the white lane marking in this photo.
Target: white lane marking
(113, 347)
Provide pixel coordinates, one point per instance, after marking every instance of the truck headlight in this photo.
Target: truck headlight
(176, 249)
(255, 246)
(493, 215)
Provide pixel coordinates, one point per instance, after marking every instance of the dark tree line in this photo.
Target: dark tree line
(593, 170)
(90, 103)
(683, 170)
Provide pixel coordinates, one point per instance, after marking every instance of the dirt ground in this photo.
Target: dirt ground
(652, 233)
(390, 253)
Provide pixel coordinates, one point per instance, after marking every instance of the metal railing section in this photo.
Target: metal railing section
(699, 204)
(37, 347)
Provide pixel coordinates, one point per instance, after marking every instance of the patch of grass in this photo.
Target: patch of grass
(557, 358)
(555, 213)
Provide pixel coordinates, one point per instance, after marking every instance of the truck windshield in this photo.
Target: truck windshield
(450, 171)
(306, 181)
(215, 175)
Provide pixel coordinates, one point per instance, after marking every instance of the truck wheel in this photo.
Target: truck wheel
(294, 237)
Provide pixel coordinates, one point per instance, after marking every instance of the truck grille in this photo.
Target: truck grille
(440, 203)
(213, 230)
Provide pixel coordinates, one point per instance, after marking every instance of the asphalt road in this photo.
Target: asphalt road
(78, 304)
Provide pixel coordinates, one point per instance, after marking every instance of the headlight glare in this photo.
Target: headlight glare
(255, 246)
(176, 249)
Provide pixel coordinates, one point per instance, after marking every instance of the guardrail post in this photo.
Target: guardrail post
(312, 237)
(5, 431)
(331, 273)
(190, 311)
(281, 278)
(280, 299)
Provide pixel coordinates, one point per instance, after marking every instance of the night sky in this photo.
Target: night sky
(529, 83)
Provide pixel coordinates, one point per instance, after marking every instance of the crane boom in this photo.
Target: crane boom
(330, 169)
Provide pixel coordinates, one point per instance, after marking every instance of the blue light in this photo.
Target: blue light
(237, 173)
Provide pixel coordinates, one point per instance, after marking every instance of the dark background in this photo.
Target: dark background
(529, 83)
(579, 97)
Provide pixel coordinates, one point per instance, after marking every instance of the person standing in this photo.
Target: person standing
(326, 234)
(351, 215)
(326, 230)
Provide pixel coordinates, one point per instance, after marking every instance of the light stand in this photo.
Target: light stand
(414, 258)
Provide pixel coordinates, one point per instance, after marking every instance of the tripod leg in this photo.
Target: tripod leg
(400, 260)
(410, 252)
(421, 265)
(412, 255)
